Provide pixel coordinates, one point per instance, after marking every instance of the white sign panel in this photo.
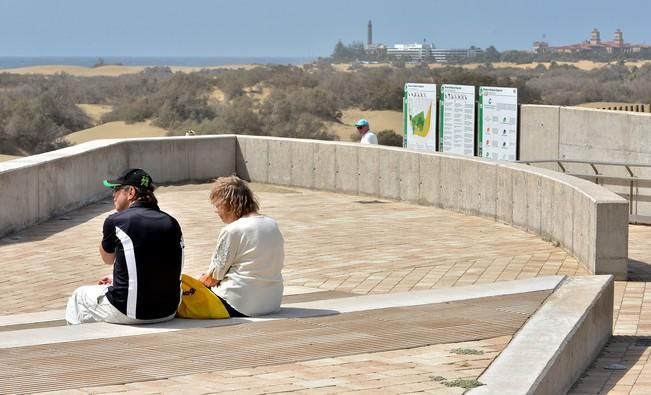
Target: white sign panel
(457, 119)
(498, 123)
(419, 112)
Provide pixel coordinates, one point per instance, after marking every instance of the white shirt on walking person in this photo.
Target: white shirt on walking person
(369, 138)
(364, 130)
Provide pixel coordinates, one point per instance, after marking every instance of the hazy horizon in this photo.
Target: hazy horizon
(292, 28)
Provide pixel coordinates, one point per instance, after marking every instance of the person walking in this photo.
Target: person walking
(364, 130)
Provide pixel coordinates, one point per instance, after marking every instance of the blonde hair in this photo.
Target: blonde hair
(235, 193)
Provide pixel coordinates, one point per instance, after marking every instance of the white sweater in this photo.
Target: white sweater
(248, 260)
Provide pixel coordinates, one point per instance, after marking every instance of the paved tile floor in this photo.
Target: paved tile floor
(340, 243)
(624, 366)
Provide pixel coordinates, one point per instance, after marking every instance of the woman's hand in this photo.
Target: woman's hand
(208, 281)
(105, 280)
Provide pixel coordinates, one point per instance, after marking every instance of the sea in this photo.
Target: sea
(10, 62)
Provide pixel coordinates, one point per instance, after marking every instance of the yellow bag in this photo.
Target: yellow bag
(198, 301)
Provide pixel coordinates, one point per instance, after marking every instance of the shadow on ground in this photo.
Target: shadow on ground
(639, 270)
(617, 360)
(56, 224)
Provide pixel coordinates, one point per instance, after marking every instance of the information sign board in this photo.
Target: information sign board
(457, 119)
(419, 113)
(498, 123)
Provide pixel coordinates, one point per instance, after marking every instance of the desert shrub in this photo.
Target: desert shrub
(303, 126)
(298, 113)
(389, 137)
(173, 100)
(239, 116)
(283, 104)
(37, 116)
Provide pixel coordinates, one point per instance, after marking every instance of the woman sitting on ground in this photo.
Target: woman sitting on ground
(245, 269)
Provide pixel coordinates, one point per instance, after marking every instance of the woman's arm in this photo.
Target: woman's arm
(209, 281)
(222, 258)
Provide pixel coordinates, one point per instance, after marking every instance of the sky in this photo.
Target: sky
(302, 28)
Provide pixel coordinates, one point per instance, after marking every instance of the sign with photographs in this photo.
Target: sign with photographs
(498, 123)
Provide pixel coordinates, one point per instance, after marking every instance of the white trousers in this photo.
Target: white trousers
(90, 304)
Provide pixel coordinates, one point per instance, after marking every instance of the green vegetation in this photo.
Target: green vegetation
(463, 383)
(389, 137)
(284, 101)
(460, 382)
(35, 115)
(466, 351)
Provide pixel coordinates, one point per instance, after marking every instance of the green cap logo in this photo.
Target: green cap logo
(144, 181)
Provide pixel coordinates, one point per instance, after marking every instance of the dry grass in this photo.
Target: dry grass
(116, 130)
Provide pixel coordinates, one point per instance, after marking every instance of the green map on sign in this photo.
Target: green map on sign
(420, 122)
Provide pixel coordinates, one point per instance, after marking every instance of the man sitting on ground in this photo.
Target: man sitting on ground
(145, 247)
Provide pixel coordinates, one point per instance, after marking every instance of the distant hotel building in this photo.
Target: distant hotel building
(417, 52)
(425, 52)
(593, 45)
(441, 55)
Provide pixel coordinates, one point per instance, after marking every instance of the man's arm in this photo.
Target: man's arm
(107, 257)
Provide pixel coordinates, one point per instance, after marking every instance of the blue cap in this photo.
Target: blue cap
(362, 122)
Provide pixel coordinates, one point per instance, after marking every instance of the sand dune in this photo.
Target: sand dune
(95, 111)
(116, 130)
(379, 120)
(109, 70)
(581, 64)
(217, 95)
(116, 70)
(8, 157)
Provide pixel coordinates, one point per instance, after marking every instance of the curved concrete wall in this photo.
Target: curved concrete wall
(35, 188)
(585, 219)
(552, 132)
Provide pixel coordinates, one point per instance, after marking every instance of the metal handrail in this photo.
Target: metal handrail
(633, 179)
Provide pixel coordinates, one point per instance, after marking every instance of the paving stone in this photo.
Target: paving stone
(401, 251)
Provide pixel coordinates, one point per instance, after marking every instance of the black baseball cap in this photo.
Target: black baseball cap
(134, 177)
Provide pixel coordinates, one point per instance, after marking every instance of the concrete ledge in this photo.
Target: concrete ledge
(557, 344)
(101, 330)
